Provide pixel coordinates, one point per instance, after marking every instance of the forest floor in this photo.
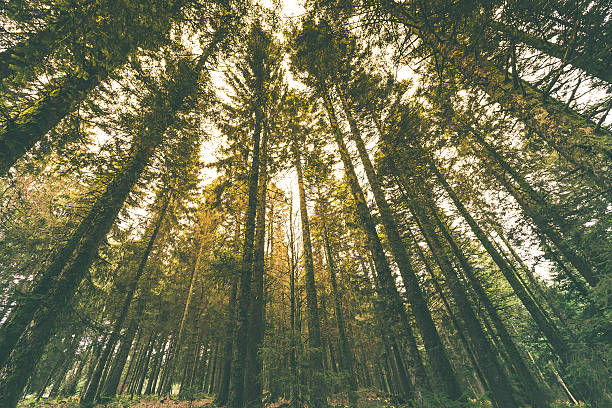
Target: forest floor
(366, 400)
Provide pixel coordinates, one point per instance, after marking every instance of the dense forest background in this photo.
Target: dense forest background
(349, 202)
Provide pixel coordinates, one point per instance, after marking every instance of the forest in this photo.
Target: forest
(306, 203)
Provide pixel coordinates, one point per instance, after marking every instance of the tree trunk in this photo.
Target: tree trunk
(236, 397)
(444, 376)
(253, 380)
(318, 393)
(347, 355)
(393, 307)
(499, 384)
(89, 397)
(112, 382)
(545, 218)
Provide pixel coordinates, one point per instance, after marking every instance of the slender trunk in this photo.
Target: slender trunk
(543, 322)
(253, 380)
(347, 355)
(48, 379)
(92, 387)
(132, 358)
(292, 353)
(225, 374)
(214, 371)
(69, 355)
(69, 387)
(318, 395)
(545, 218)
(110, 387)
(449, 311)
(530, 384)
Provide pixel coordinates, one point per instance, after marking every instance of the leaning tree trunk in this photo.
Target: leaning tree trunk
(542, 320)
(29, 348)
(444, 375)
(393, 305)
(499, 384)
(544, 217)
(89, 397)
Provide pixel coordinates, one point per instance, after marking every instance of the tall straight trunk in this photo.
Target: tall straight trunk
(532, 390)
(107, 368)
(294, 396)
(544, 217)
(225, 372)
(145, 366)
(112, 382)
(201, 374)
(214, 371)
(31, 343)
(393, 306)
(318, 395)
(444, 376)
(253, 380)
(396, 373)
(209, 365)
(152, 382)
(167, 367)
(68, 362)
(179, 336)
(132, 358)
(197, 353)
(69, 387)
(347, 355)
(89, 397)
(223, 391)
(499, 384)
(236, 397)
(139, 353)
(54, 369)
(141, 368)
